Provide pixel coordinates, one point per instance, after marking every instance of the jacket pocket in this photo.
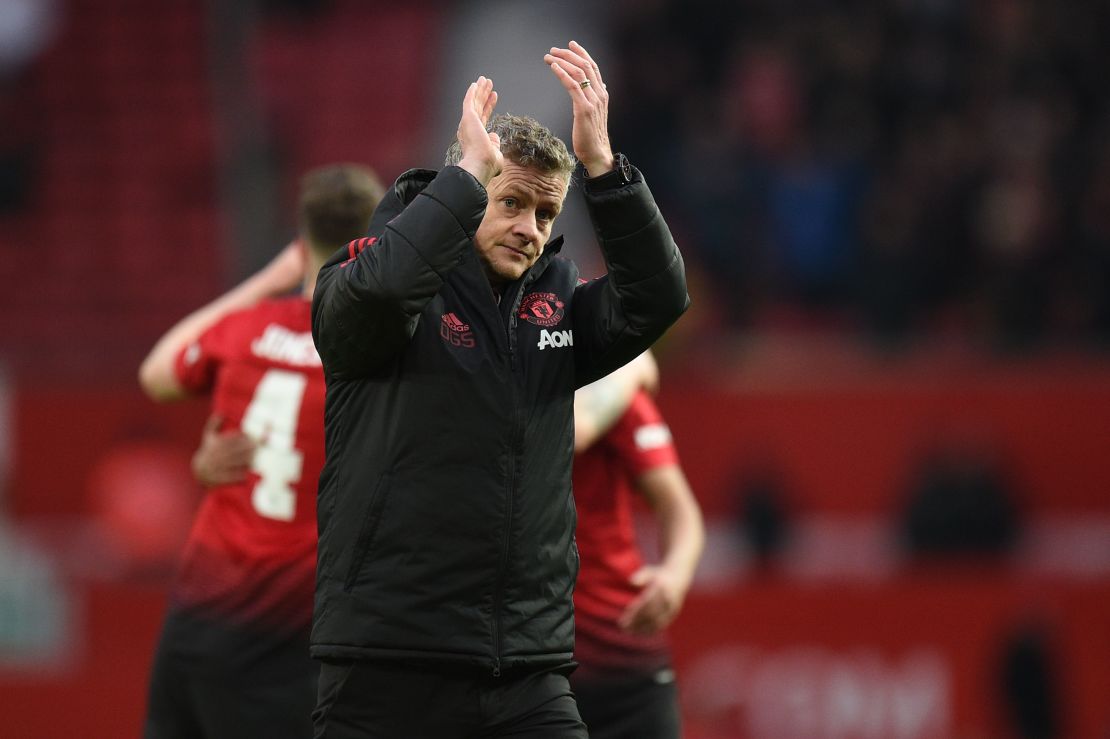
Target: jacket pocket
(365, 541)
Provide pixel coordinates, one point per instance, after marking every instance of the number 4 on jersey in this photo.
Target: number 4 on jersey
(271, 420)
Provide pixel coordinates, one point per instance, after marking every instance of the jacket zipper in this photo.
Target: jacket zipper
(507, 531)
(518, 436)
(505, 534)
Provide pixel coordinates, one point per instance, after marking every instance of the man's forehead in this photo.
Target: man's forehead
(530, 180)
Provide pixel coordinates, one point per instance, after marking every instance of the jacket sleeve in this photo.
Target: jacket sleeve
(367, 303)
(620, 315)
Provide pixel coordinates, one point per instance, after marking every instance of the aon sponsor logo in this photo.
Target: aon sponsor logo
(556, 339)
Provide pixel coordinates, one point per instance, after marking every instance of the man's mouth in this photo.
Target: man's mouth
(521, 252)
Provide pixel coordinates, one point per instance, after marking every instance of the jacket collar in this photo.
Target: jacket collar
(550, 249)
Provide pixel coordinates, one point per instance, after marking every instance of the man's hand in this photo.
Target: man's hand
(481, 149)
(223, 457)
(660, 599)
(578, 72)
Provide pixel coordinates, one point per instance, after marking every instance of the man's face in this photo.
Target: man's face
(522, 207)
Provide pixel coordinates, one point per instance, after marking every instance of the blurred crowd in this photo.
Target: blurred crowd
(897, 169)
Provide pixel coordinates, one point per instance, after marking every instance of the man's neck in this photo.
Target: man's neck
(312, 268)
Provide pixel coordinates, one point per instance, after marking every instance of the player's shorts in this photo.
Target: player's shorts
(384, 699)
(629, 705)
(212, 680)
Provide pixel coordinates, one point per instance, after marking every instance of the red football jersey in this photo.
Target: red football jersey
(251, 554)
(603, 488)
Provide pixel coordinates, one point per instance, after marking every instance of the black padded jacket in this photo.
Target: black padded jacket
(446, 518)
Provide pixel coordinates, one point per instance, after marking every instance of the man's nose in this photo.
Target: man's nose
(526, 227)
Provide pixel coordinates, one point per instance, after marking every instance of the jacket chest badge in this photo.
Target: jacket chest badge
(455, 332)
(542, 309)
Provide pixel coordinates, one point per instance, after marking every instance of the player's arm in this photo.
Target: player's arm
(156, 374)
(600, 404)
(682, 539)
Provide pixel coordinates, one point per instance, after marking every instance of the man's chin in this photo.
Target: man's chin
(510, 272)
(502, 272)
(509, 278)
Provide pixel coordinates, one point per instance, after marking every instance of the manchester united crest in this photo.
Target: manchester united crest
(542, 309)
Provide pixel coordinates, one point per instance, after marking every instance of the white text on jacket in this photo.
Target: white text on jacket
(557, 339)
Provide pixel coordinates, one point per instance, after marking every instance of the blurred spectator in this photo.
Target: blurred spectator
(915, 165)
(763, 518)
(959, 504)
(1028, 684)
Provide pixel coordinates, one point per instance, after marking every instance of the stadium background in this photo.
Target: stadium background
(892, 395)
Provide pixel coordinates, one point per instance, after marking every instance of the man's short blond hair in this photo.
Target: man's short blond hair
(527, 142)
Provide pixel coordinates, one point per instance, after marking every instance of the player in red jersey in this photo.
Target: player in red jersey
(233, 657)
(624, 684)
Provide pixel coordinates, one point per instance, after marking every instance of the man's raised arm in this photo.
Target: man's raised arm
(622, 314)
(370, 293)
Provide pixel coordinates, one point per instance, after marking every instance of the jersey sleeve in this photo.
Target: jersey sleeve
(198, 362)
(641, 439)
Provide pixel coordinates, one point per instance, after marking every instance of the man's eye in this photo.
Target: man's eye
(509, 202)
(545, 215)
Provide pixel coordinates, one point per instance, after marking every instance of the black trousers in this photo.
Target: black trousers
(214, 680)
(383, 699)
(630, 706)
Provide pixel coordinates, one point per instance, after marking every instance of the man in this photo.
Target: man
(624, 684)
(452, 342)
(233, 659)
